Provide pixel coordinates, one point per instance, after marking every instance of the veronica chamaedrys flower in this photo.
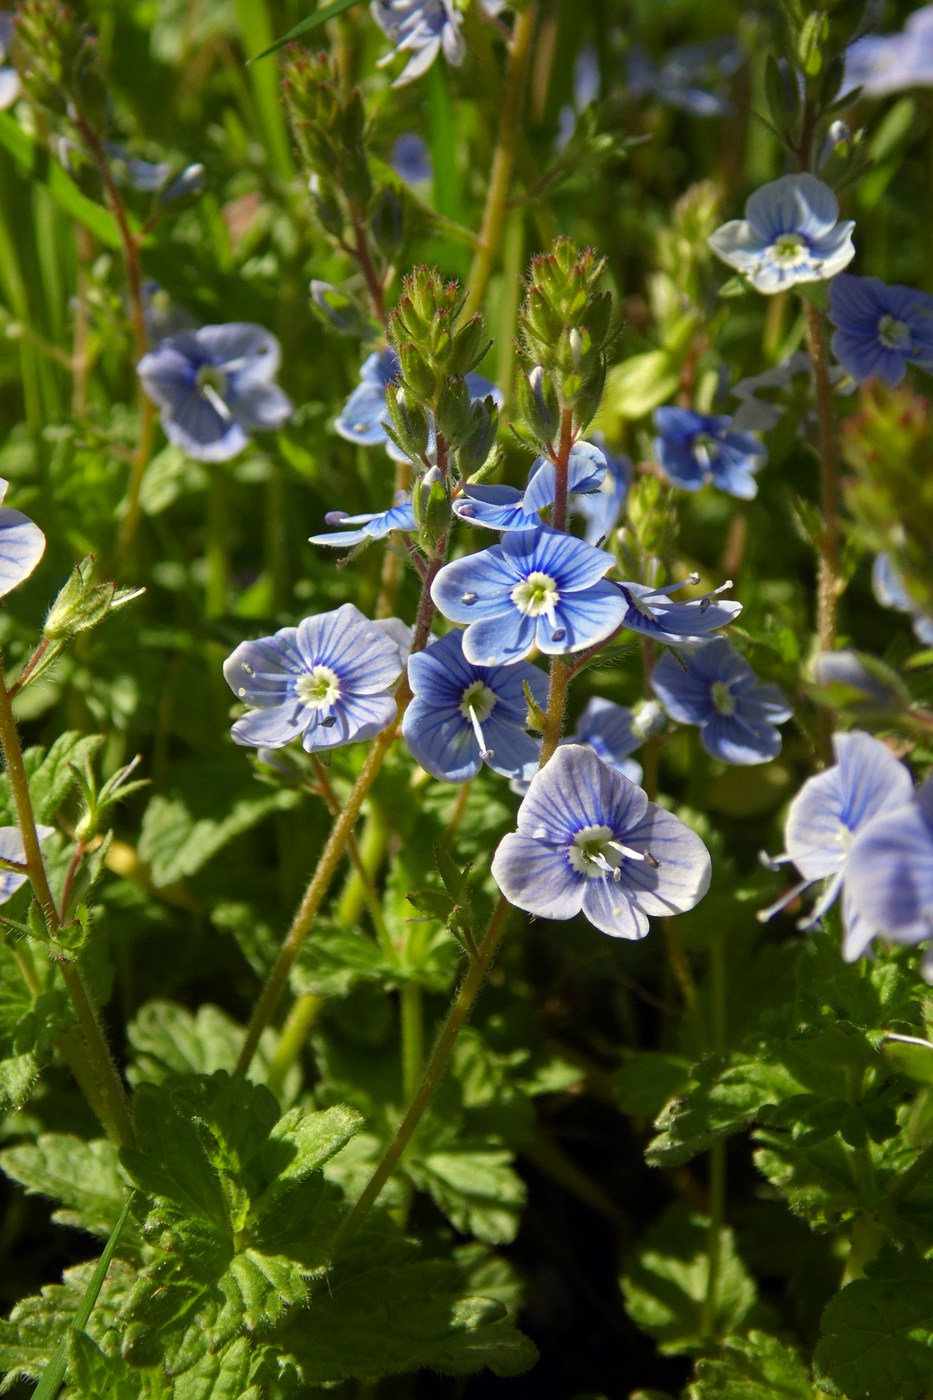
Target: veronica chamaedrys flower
(326, 681)
(214, 387)
(889, 878)
(411, 159)
(822, 821)
(713, 687)
(22, 545)
(880, 329)
(589, 840)
(652, 612)
(888, 587)
(884, 63)
(612, 732)
(507, 508)
(791, 233)
(695, 448)
(534, 588)
(12, 848)
(463, 716)
(401, 516)
(601, 509)
(422, 28)
(10, 87)
(760, 414)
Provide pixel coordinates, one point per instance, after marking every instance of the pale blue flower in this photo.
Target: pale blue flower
(882, 64)
(689, 77)
(713, 687)
(822, 821)
(22, 545)
(214, 387)
(411, 159)
(401, 516)
(421, 28)
(589, 841)
(695, 448)
(790, 234)
(602, 508)
(652, 612)
(463, 715)
(889, 878)
(12, 848)
(890, 591)
(535, 588)
(758, 414)
(10, 86)
(880, 328)
(327, 681)
(612, 732)
(507, 508)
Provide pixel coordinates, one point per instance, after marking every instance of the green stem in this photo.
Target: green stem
(361, 871)
(717, 1154)
(432, 1076)
(92, 1054)
(298, 1025)
(412, 1037)
(216, 557)
(829, 586)
(314, 895)
(503, 160)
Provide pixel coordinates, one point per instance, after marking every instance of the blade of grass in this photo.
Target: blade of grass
(256, 32)
(312, 22)
(54, 1373)
(41, 168)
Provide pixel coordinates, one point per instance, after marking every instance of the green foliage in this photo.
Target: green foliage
(755, 1367)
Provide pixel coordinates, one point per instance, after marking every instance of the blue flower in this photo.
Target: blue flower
(507, 508)
(865, 782)
(214, 387)
(651, 612)
(411, 159)
(689, 77)
(761, 414)
(889, 878)
(890, 591)
(589, 840)
(401, 516)
(716, 689)
(12, 848)
(364, 415)
(535, 588)
(326, 681)
(423, 28)
(612, 732)
(22, 545)
(879, 328)
(695, 448)
(602, 508)
(463, 716)
(881, 64)
(10, 87)
(790, 234)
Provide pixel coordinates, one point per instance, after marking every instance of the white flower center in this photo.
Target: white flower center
(788, 247)
(318, 688)
(594, 851)
(211, 377)
(479, 699)
(536, 595)
(893, 334)
(722, 697)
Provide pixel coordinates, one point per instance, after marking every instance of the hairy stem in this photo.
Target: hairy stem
(432, 1076)
(829, 577)
(503, 160)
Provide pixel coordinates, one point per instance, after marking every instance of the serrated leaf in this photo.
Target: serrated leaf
(29, 1338)
(169, 1039)
(756, 1367)
(383, 1321)
(476, 1186)
(83, 1176)
(92, 1375)
(334, 961)
(726, 1095)
(877, 1337)
(665, 1286)
(52, 775)
(176, 844)
(219, 1375)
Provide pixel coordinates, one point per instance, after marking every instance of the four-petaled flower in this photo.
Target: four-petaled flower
(790, 234)
(589, 840)
(326, 681)
(535, 588)
(214, 387)
(507, 508)
(691, 624)
(713, 687)
(889, 879)
(423, 28)
(695, 448)
(22, 544)
(401, 516)
(463, 715)
(880, 328)
(865, 782)
(884, 63)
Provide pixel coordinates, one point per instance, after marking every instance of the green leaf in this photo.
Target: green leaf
(42, 169)
(92, 1375)
(170, 1039)
(52, 775)
(756, 1367)
(175, 844)
(83, 1176)
(877, 1332)
(475, 1185)
(382, 1321)
(910, 1055)
(331, 11)
(640, 384)
(335, 961)
(665, 1288)
(727, 1094)
(170, 475)
(31, 1335)
(648, 1080)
